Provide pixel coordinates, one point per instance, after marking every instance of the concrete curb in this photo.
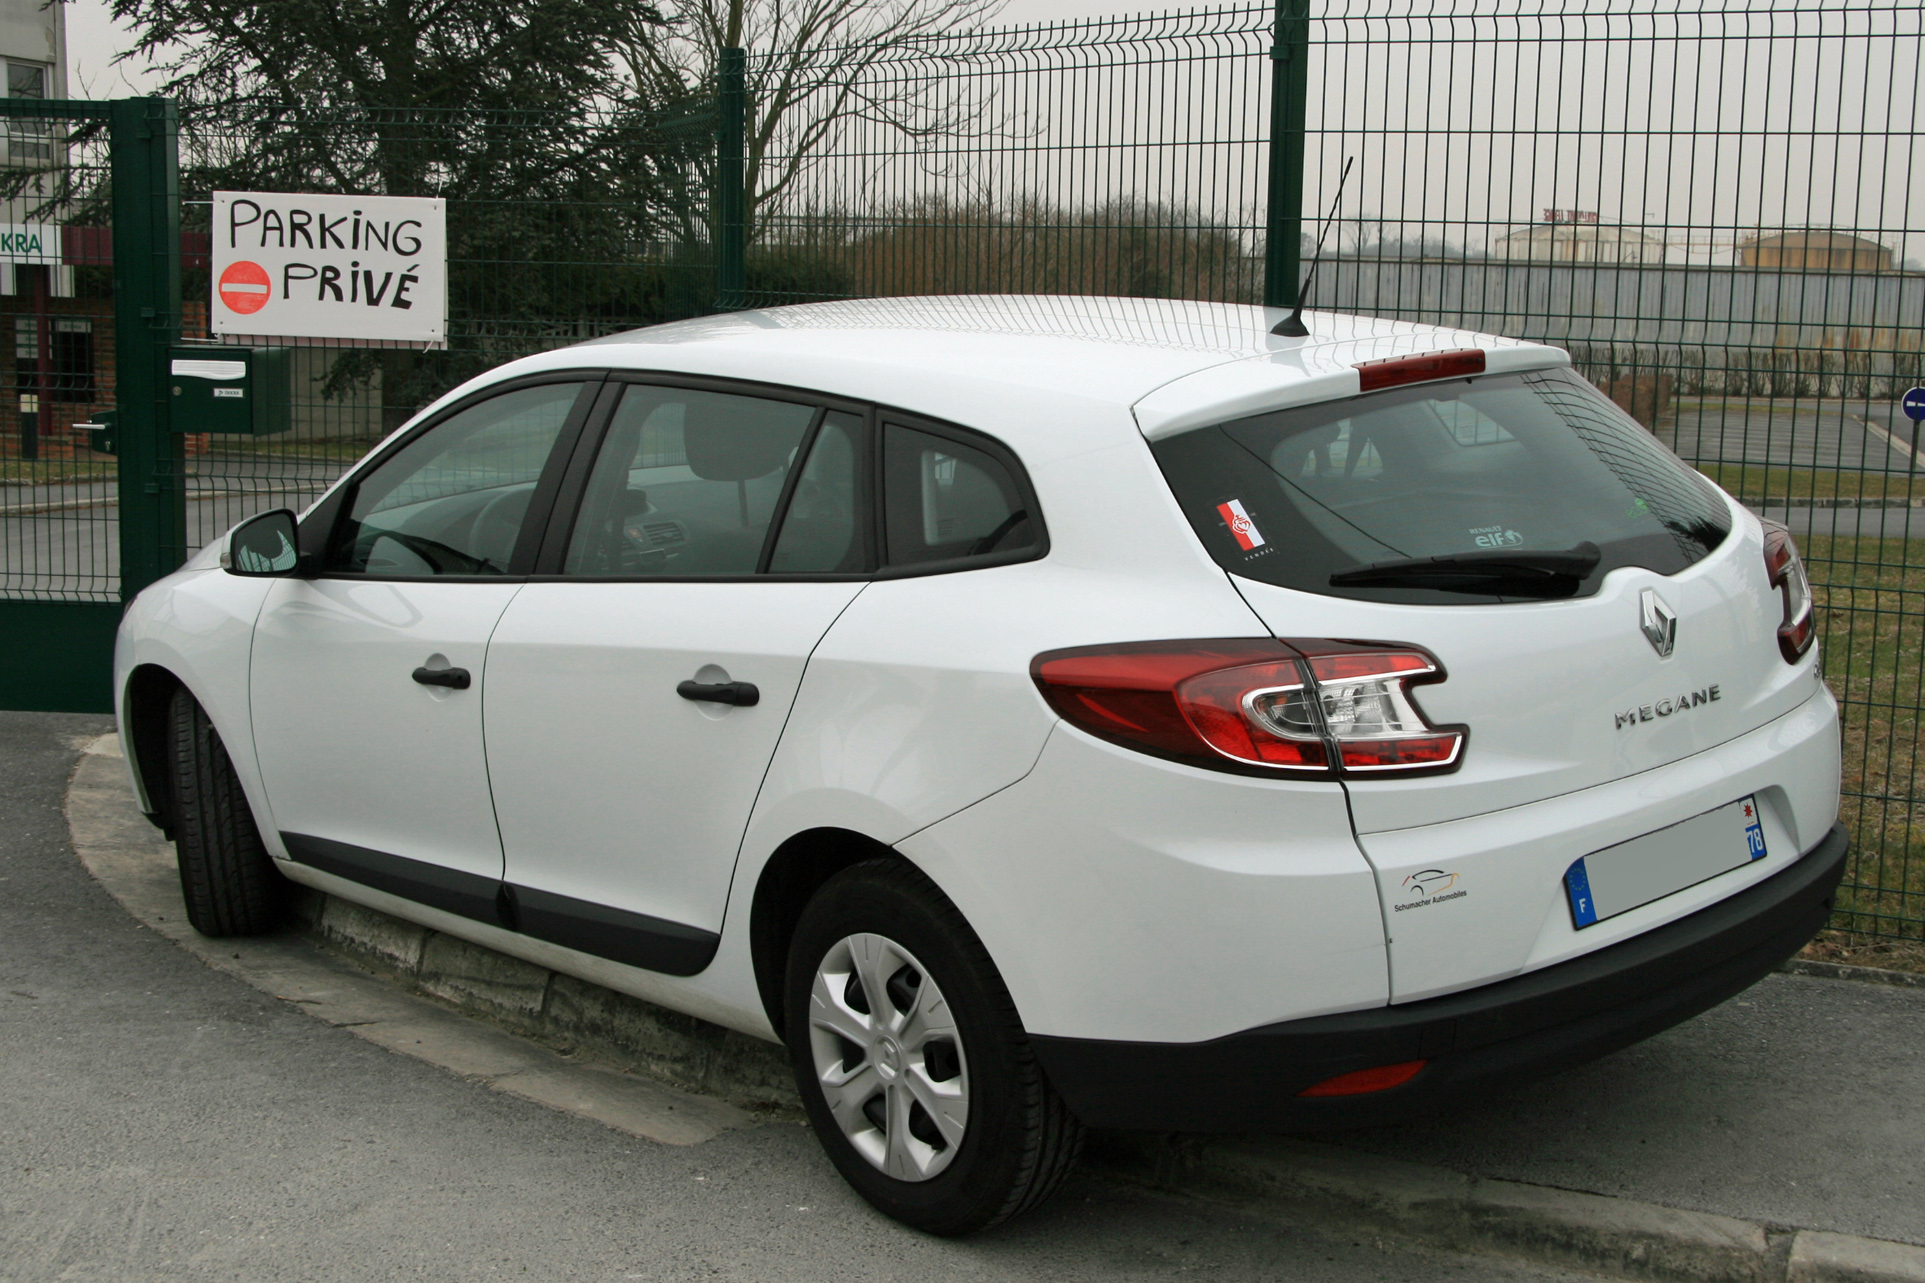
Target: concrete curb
(426, 973)
(132, 862)
(1620, 1237)
(555, 1009)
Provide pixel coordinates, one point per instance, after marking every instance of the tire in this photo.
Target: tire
(1004, 1140)
(226, 875)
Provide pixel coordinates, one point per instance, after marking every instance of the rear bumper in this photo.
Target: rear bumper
(1477, 1039)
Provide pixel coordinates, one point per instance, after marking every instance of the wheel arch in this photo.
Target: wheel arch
(795, 871)
(144, 728)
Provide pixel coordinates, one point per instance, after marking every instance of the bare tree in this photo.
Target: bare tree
(816, 67)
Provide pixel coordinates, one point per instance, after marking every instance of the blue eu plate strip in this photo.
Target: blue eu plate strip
(1577, 883)
(1754, 831)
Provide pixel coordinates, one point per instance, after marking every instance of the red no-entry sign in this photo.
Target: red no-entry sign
(244, 287)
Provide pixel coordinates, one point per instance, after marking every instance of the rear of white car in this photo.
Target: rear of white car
(1534, 761)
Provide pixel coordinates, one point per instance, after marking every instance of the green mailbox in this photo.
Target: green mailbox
(243, 390)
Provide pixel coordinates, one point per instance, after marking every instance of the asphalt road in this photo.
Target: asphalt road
(159, 1121)
(64, 540)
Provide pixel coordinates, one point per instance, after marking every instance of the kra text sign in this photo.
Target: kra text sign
(372, 269)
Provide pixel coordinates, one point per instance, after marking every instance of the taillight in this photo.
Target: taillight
(1256, 705)
(1392, 371)
(1787, 574)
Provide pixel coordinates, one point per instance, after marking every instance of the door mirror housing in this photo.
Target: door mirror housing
(264, 547)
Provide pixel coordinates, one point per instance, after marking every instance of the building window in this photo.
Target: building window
(70, 358)
(28, 140)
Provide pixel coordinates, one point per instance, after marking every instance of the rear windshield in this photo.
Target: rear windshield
(1538, 462)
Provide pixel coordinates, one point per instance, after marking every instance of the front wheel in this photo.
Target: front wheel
(913, 1067)
(226, 875)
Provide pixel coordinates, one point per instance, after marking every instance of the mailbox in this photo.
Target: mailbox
(243, 390)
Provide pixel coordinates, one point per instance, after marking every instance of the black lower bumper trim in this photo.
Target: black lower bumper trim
(1499, 1033)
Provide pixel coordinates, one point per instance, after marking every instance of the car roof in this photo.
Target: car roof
(976, 358)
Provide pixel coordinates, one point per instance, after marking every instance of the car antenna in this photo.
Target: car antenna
(1292, 326)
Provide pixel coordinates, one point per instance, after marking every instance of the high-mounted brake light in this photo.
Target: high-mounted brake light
(1256, 705)
(1786, 572)
(1390, 371)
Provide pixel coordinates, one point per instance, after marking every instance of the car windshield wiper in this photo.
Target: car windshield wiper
(1515, 572)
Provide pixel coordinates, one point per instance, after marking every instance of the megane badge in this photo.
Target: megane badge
(1659, 623)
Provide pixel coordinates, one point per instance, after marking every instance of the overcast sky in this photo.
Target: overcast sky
(1697, 127)
(93, 39)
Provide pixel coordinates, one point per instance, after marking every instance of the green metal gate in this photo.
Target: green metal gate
(92, 508)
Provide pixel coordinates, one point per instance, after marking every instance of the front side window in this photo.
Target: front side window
(686, 484)
(945, 500)
(453, 500)
(1525, 464)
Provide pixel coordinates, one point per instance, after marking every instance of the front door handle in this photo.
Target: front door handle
(456, 679)
(740, 694)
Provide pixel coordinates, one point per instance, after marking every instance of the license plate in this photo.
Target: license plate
(1623, 877)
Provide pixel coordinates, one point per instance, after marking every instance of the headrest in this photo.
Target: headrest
(738, 439)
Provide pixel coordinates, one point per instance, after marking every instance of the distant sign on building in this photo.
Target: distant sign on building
(1570, 216)
(338, 271)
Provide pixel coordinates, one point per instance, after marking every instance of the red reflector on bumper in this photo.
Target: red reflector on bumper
(1360, 1081)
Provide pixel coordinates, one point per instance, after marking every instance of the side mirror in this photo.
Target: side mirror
(264, 547)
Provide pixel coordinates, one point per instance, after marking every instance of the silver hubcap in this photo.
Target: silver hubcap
(888, 1057)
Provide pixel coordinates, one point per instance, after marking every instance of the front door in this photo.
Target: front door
(624, 752)
(367, 681)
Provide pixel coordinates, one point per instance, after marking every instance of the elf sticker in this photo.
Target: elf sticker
(1240, 524)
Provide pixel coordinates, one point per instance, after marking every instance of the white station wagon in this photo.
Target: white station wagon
(1035, 712)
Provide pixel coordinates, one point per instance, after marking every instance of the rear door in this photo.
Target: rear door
(1666, 648)
(637, 692)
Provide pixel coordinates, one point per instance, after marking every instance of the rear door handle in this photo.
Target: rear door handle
(453, 678)
(740, 694)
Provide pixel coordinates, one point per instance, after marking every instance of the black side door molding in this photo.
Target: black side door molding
(633, 939)
(467, 894)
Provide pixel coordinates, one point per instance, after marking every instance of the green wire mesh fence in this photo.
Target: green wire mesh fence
(57, 493)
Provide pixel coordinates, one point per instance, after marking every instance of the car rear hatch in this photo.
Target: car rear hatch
(1595, 608)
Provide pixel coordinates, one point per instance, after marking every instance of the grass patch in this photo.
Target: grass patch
(1871, 598)
(281, 448)
(1851, 950)
(55, 472)
(1761, 483)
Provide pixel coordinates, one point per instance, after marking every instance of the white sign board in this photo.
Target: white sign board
(29, 243)
(367, 269)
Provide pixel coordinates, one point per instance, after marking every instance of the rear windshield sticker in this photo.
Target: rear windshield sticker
(1495, 537)
(1240, 524)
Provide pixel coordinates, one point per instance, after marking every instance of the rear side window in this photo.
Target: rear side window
(1539, 462)
(945, 500)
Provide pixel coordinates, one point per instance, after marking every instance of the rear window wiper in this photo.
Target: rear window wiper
(1499, 571)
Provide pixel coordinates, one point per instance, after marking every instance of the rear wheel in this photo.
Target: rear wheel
(912, 1064)
(226, 875)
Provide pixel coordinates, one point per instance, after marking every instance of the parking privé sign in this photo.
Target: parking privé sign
(352, 269)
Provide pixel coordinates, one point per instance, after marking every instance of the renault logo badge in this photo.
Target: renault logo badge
(1659, 623)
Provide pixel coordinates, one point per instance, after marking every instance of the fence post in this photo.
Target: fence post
(731, 213)
(1289, 95)
(147, 319)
